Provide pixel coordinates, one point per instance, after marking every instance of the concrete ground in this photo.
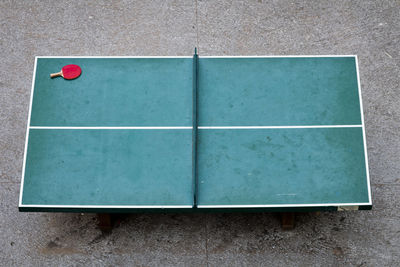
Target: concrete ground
(370, 29)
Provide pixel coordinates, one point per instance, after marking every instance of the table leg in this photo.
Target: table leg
(287, 220)
(105, 222)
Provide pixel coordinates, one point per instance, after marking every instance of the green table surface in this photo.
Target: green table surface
(274, 133)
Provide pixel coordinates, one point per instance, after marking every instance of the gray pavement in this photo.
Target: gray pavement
(370, 29)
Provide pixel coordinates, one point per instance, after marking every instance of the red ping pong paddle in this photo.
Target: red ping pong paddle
(68, 72)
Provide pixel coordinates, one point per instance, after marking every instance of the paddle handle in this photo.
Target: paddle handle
(53, 75)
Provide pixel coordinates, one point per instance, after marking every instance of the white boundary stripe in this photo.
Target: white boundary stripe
(364, 135)
(27, 133)
(250, 56)
(278, 127)
(110, 206)
(286, 56)
(284, 205)
(199, 206)
(111, 128)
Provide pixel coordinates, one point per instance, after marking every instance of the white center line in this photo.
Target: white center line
(186, 127)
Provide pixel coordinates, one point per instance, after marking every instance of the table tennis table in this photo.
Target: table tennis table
(196, 134)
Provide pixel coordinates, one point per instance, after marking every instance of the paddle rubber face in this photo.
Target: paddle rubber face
(70, 72)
